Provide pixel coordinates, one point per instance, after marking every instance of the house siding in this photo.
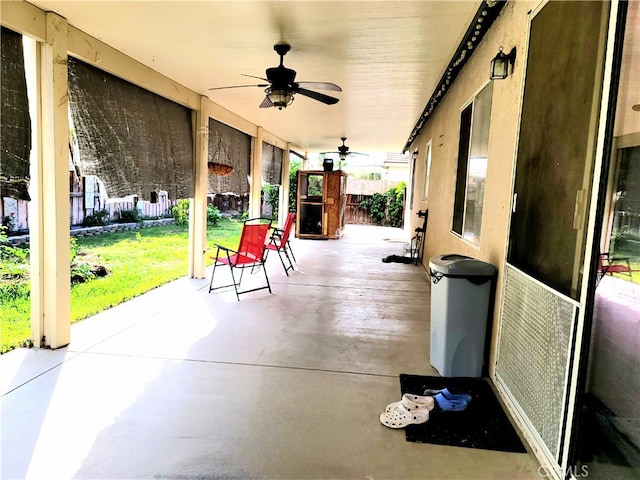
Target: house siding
(443, 127)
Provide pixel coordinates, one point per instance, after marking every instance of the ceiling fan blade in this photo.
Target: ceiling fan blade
(321, 97)
(266, 103)
(239, 86)
(320, 86)
(346, 154)
(253, 76)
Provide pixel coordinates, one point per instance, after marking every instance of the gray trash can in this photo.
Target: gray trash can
(461, 290)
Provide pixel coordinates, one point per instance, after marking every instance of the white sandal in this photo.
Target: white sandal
(412, 402)
(400, 418)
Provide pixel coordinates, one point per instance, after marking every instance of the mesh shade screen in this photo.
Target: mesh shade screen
(271, 164)
(135, 141)
(15, 124)
(228, 146)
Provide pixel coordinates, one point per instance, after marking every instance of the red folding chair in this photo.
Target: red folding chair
(610, 265)
(251, 253)
(281, 245)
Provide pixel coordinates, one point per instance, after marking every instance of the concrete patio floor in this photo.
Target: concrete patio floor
(185, 384)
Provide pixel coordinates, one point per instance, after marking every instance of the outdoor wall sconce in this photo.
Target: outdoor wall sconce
(500, 64)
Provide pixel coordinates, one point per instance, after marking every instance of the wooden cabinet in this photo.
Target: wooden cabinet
(322, 199)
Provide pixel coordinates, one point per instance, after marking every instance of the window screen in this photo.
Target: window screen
(15, 124)
(135, 141)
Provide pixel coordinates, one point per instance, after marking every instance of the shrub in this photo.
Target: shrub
(386, 208)
(99, 218)
(272, 197)
(625, 242)
(396, 205)
(81, 272)
(74, 249)
(9, 223)
(129, 216)
(213, 215)
(181, 213)
(294, 166)
(377, 207)
(14, 290)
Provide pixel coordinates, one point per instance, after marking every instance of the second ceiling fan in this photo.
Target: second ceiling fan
(343, 151)
(281, 85)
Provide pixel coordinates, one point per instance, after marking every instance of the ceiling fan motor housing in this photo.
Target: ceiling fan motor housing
(281, 78)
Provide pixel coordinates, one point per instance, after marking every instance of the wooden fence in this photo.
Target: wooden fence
(229, 202)
(354, 214)
(87, 197)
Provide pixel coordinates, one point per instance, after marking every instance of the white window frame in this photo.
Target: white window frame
(427, 172)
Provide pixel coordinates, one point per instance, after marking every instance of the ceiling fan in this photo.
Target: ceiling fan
(343, 150)
(282, 87)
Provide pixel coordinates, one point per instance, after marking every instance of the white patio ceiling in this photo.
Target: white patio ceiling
(387, 57)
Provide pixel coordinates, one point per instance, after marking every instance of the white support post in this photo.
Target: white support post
(284, 187)
(255, 205)
(198, 207)
(51, 301)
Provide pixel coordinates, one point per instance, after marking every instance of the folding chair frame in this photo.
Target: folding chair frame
(610, 265)
(281, 244)
(236, 260)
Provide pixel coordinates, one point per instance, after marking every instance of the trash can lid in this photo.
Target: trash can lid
(455, 265)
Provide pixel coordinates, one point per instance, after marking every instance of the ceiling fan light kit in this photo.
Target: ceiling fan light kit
(279, 98)
(282, 87)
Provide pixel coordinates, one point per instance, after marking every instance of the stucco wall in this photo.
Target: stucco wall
(508, 31)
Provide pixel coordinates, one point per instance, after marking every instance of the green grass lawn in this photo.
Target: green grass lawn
(138, 261)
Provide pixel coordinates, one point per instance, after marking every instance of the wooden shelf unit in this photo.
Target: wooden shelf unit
(322, 199)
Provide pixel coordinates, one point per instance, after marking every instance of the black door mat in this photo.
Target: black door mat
(483, 424)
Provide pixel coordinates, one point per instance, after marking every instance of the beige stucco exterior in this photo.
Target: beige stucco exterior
(443, 131)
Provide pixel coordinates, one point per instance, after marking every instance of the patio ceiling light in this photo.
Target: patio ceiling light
(280, 98)
(500, 64)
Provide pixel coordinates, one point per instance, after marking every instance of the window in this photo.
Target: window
(414, 159)
(626, 221)
(427, 171)
(473, 151)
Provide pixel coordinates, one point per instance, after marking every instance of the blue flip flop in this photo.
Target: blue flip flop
(449, 404)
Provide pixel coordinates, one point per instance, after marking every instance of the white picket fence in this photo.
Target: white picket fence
(87, 198)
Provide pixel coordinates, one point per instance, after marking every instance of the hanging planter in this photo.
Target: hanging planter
(219, 169)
